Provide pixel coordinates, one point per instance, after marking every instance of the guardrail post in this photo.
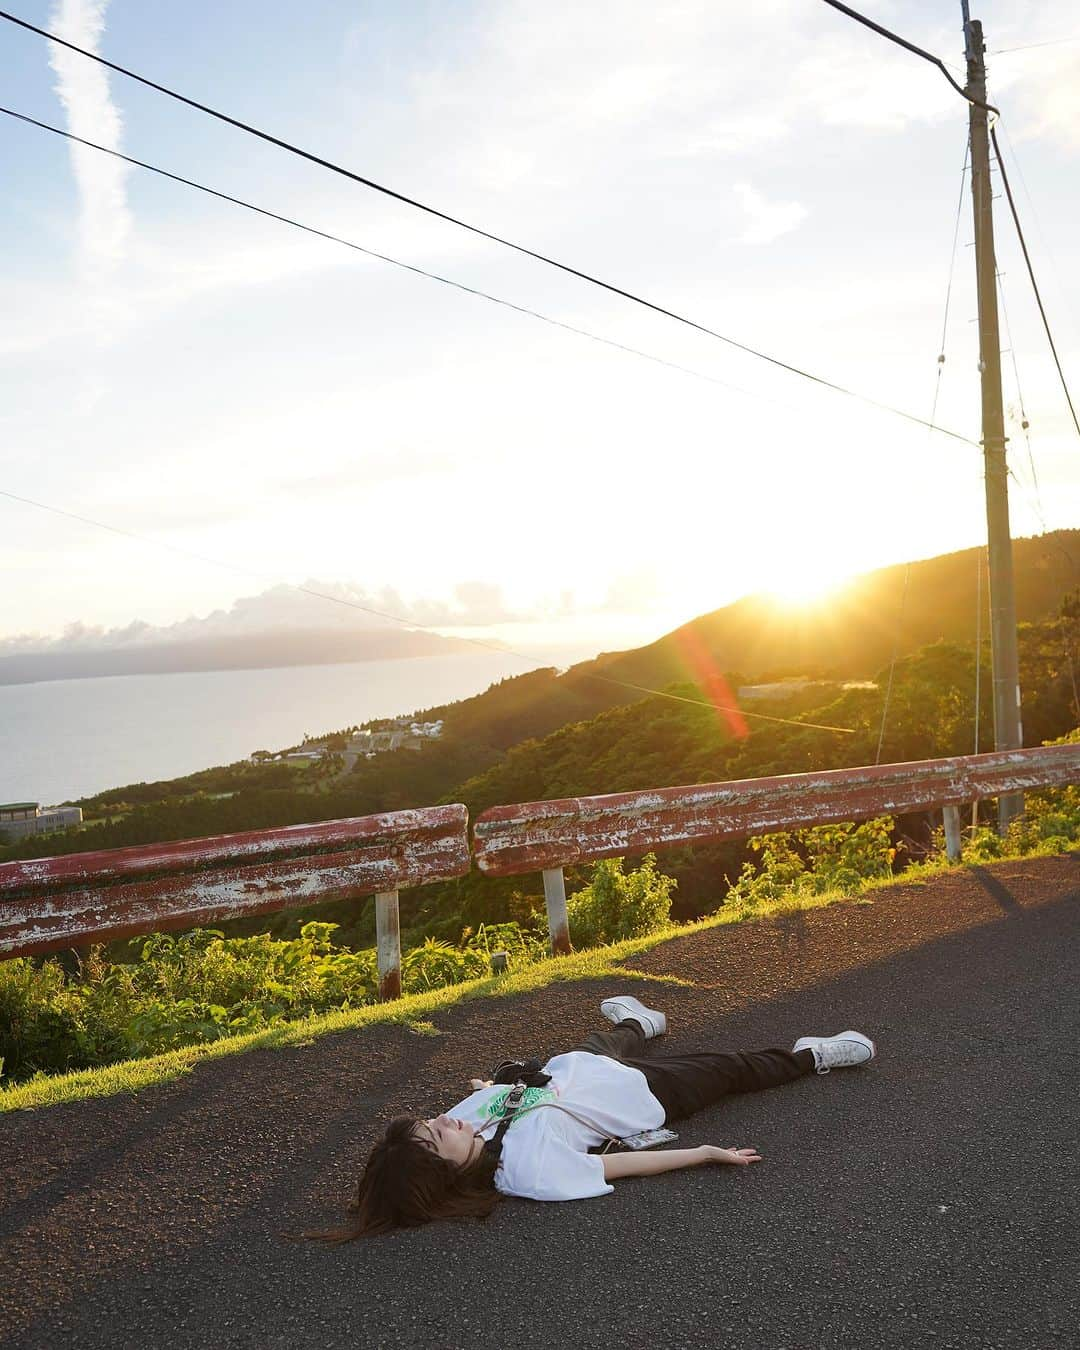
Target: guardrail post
(388, 945)
(555, 899)
(952, 833)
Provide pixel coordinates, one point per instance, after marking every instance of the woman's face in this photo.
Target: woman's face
(454, 1140)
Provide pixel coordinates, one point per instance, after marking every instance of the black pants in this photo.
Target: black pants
(684, 1084)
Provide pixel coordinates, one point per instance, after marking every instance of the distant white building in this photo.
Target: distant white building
(20, 819)
(312, 752)
(403, 735)
(787, 688)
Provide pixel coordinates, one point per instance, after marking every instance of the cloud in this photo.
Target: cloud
(470, 605)
(765, 220)
(83, 88)
(285, 608)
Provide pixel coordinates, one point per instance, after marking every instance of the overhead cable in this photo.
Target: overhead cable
(1030, 46)
(1014, 159)
(911, 47)
(420, 271)
(382, 257)
(462, 224)
(949, 285)
(933, 415)
(501, 649)
(1025, 424)
(1031, 275)
(989, 108)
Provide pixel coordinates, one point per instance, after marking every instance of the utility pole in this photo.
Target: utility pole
(1008, 734)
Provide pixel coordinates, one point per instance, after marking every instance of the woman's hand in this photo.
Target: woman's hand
(740, 1156)
(477, 1083)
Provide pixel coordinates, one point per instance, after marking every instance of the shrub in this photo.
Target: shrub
(522, 945)
(45, 1023)
(616, 905)
(814, 861)
(183, 989)
(437, 964)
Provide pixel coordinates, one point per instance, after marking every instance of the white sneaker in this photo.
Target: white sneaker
(624, 1007)
(845, 1051)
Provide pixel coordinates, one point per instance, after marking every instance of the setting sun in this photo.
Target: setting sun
(805, 585)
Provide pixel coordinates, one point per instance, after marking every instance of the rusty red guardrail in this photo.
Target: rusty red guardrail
(52, 903)
(531, 836)
(546, 836)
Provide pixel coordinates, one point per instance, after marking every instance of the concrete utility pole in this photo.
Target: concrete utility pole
(1008, 734)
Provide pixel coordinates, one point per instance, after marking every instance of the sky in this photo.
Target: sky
(295, 413)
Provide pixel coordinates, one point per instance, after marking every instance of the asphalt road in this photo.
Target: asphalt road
(930, 1199)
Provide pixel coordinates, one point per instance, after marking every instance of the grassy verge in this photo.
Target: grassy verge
(414, 1010)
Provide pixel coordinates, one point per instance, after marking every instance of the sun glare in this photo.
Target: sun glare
(805, 585)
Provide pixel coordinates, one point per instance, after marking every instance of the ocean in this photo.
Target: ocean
(64, 739)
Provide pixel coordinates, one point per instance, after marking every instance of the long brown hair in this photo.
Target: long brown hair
(404, 1185)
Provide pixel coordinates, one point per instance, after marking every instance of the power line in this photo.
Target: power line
(719, 707)
(892, 667)
(462, 224)
(933, 415)
(1055, 42)
(394, 618)
(420, 271)
(381, 257)
(1031, 275)
(949, 286)
(908, 46)
(1025, 425)
(987, 107)
(1033, 209)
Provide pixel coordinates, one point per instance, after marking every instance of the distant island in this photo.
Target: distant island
(249, 651)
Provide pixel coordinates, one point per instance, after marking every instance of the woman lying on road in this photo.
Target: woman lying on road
(599, 1092)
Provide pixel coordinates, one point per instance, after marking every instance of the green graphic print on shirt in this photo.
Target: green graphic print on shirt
(533, 1097)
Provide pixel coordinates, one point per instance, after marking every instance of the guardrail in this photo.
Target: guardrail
(546, 836)
(51, 903)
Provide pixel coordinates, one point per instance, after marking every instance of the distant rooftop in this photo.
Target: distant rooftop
(18, 806)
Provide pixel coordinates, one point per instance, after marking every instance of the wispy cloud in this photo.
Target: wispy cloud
(765, 220)
(83, 88)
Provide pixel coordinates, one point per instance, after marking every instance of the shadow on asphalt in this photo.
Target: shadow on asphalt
(208, 1176)
(998, 892)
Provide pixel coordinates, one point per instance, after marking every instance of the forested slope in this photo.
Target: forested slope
(544, 736)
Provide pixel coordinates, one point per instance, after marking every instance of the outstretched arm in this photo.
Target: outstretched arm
(646, 1163)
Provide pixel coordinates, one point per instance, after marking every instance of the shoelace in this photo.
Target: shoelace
(836, 1055)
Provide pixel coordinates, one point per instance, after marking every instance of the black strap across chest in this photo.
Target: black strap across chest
(522, 1074)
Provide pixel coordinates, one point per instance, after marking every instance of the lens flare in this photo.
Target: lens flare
(712, 683)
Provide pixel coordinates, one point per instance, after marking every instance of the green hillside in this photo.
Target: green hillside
(850, 634)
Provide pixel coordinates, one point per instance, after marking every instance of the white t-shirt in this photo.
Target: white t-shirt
(545, 1151)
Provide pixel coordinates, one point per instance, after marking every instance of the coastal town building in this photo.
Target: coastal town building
(308, 755)
(20, 819)
(402, 734)
(780, 689)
